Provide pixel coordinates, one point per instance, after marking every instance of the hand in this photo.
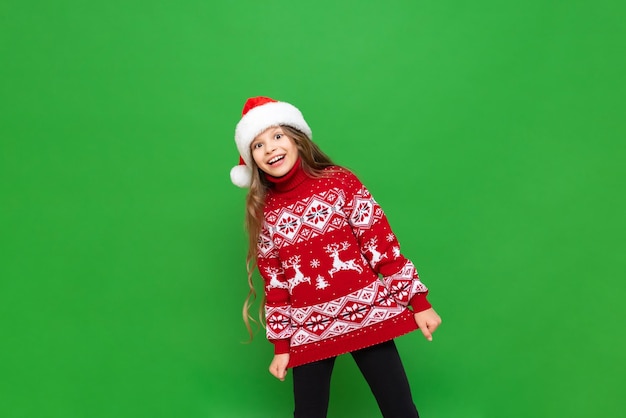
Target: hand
(427, 321)
(278, 366)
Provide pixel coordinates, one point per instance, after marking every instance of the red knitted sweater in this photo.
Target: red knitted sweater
(324, 246)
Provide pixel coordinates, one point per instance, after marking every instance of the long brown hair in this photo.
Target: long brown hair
(314, 161)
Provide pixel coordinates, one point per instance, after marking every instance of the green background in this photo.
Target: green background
(491, 133)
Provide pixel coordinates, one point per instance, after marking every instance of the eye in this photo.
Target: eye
(257, 145)
(278, 136)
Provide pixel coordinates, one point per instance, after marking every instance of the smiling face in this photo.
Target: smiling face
(274, 152)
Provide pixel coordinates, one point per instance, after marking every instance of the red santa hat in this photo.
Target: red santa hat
(258, 114)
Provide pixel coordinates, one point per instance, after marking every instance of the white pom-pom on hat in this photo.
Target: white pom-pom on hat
(258, 114)
(241, 175)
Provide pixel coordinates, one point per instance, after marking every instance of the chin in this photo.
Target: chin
(281, 173)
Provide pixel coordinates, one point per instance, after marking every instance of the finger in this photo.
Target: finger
(426, 333)
(281, 372)
(433, 326)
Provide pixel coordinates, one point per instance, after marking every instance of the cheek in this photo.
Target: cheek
(293, 148)
(256, 155)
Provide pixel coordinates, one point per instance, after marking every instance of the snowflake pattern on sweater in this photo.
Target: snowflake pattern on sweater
(324, 245)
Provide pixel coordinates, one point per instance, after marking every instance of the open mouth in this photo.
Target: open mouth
(275, 159)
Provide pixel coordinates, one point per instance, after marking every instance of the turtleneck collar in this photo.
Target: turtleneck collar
(289, 181)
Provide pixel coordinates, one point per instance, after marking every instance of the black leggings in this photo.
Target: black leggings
(382, 368)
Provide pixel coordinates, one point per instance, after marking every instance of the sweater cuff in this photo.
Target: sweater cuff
(419, 302)
(281, 346)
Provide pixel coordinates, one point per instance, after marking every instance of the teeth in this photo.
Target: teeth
(273, 160)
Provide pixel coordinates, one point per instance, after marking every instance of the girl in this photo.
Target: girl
(321, 243)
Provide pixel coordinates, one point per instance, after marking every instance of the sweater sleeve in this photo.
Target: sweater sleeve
(277, 302)
(381, 248)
